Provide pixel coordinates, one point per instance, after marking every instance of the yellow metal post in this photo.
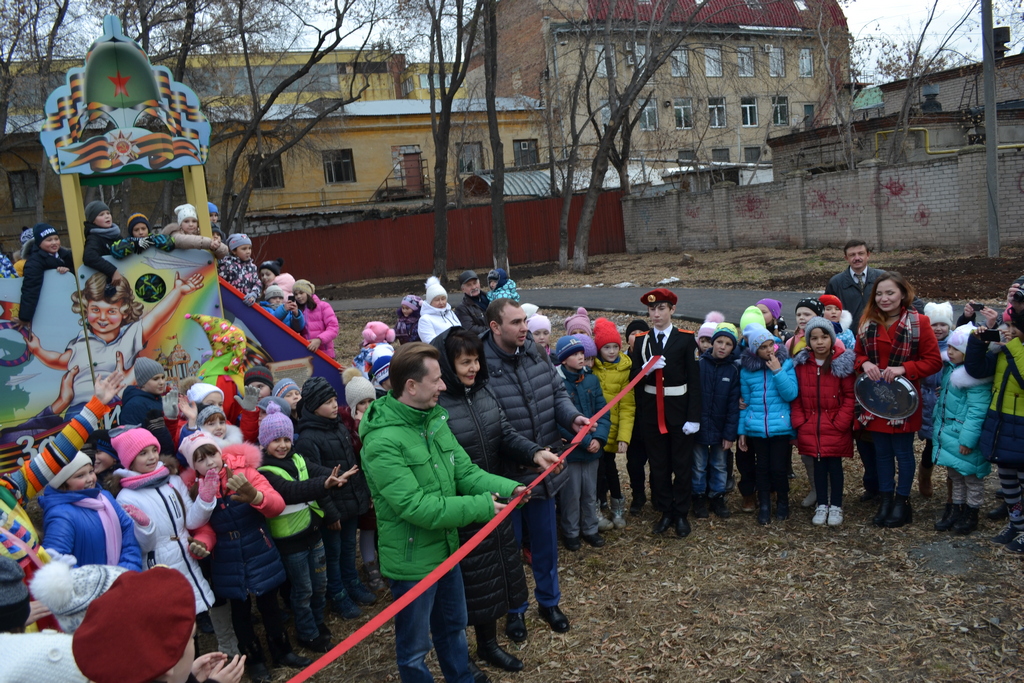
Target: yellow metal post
(74, 213)
(195, 192)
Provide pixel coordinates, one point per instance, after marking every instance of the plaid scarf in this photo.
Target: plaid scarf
(904, 335)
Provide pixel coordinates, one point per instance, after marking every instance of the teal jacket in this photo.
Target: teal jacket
(958, 418)
(424, 486)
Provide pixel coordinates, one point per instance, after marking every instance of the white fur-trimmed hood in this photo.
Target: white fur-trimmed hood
(961, 380)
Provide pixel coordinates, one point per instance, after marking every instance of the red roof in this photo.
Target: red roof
(734, 13)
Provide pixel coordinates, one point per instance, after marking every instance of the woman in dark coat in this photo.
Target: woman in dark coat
(493, 571)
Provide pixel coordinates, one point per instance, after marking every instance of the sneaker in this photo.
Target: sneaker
(1006, 535)
(820, 515)
(361, 595)
(1016, 545)
(835, 515)
(345, 608)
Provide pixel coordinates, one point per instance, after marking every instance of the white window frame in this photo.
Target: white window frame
(639, 55)
(748, 112)
(780, 110)
(680, 63)
(777, 62)
(713, 61)
(745, 62)
(601, 62)
(806, 62)
(717, 113)
(681, 107)
(648, 119)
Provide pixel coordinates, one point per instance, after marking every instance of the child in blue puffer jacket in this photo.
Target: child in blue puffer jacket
(767, 385)
(941, 317)
(720, 415)
(578, 496)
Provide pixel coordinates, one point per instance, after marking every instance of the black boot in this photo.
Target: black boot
(637, 506)
(949, 517)
(998, 513)
(488, 650)
(900, 514)
(719, 508)
(256, 664)
(764, 510)
(781, 506)
(700, 507)
(282, 655)
(478, 675)
(884, 508)
(967, 522)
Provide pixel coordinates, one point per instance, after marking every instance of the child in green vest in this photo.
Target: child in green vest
(303, 486)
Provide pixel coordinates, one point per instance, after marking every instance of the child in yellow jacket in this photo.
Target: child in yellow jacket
(611, 367)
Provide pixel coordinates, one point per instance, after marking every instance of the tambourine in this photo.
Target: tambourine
(895, 400)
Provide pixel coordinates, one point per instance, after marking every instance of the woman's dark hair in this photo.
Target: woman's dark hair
(461, 341)
(872, 313)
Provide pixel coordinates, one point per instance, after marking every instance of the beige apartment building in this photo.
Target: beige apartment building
(743, 71)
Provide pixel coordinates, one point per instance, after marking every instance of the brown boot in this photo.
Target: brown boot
(749, 503)
(924, 481)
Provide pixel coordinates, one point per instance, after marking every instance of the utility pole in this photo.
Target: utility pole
(991, 126)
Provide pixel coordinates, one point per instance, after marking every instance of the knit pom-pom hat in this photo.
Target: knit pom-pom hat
(940, 313)
(131, 442)
(606, 332)
(376, 332)
(68, 592)
(434, 289)
(276, 425)
(578, 321)
(958, 338)
(185, 211)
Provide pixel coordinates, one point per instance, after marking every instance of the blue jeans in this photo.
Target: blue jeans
(709, 472)
(439, 615)
(539, 516)
(892, 450)
(341, 558)
(307, 572)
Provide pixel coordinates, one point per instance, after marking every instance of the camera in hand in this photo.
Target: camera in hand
(991, 336)
(1018, 296)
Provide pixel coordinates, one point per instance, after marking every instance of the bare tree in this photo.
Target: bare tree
(499, 232)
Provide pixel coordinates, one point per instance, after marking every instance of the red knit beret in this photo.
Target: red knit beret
(151, 612)
(605, 332)
(829, 300)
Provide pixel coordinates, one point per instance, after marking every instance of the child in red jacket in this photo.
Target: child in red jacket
(822, 414)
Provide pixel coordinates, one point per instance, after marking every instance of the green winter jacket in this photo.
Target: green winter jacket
(424, 486)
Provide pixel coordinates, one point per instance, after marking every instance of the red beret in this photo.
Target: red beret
(656, 296)
(137, 630)
(829, 300)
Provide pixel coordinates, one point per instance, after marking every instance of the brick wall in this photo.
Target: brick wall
(939, 203)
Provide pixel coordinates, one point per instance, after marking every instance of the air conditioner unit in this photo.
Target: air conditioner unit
(767, 48)
(630, 60)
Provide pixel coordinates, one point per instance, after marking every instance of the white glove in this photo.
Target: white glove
(69, 559)
(170, 401)
(656, 365)
(691, 427)
(145, 243)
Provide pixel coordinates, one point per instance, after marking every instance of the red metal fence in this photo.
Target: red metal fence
(403, 245)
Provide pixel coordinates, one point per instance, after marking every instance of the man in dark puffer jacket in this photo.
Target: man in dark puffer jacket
(325, 440)
(493, 572)
(533, 397)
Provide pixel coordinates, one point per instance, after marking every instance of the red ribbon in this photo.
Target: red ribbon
(659, 385)
(433, 577)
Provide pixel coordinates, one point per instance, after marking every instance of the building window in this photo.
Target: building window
(639, 54)
(426, 80)
(713, 62)
(780, 111)
(720, 154)
(716, 111)
(23, 189)
(777, 63)
(339, 166)
(808, 114)
(684, 112)
(525, 152)
(801, 5)
(602, 63)
(748, 107)
(408, 85)
(680, 62)
(605, 114)
(751, 155)
(687, 155)
(806, 62)
(270, 177)
(649, 115)
(745, 62)
(471, 156)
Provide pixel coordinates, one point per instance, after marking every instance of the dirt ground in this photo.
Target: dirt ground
(935, 273)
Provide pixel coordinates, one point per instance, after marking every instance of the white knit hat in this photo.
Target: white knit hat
(68, 592)
(530, 310)
(958, 338)
(198, 392)
(78, 462)
(434, 289)
(940, 313)
(185, 211)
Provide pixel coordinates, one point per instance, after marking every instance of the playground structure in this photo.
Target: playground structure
(84, 327)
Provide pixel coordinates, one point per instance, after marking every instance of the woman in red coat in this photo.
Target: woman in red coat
(894, 340)
(822, 414)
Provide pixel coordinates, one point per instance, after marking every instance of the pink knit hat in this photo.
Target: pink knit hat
(538, 322)
(579, 321)
(131, 442)
(191, 443)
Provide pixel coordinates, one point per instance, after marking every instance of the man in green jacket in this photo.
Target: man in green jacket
(424, 488)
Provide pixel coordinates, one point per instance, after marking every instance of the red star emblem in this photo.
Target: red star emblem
(120, 84)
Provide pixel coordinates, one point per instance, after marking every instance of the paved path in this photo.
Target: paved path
(693, 303)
